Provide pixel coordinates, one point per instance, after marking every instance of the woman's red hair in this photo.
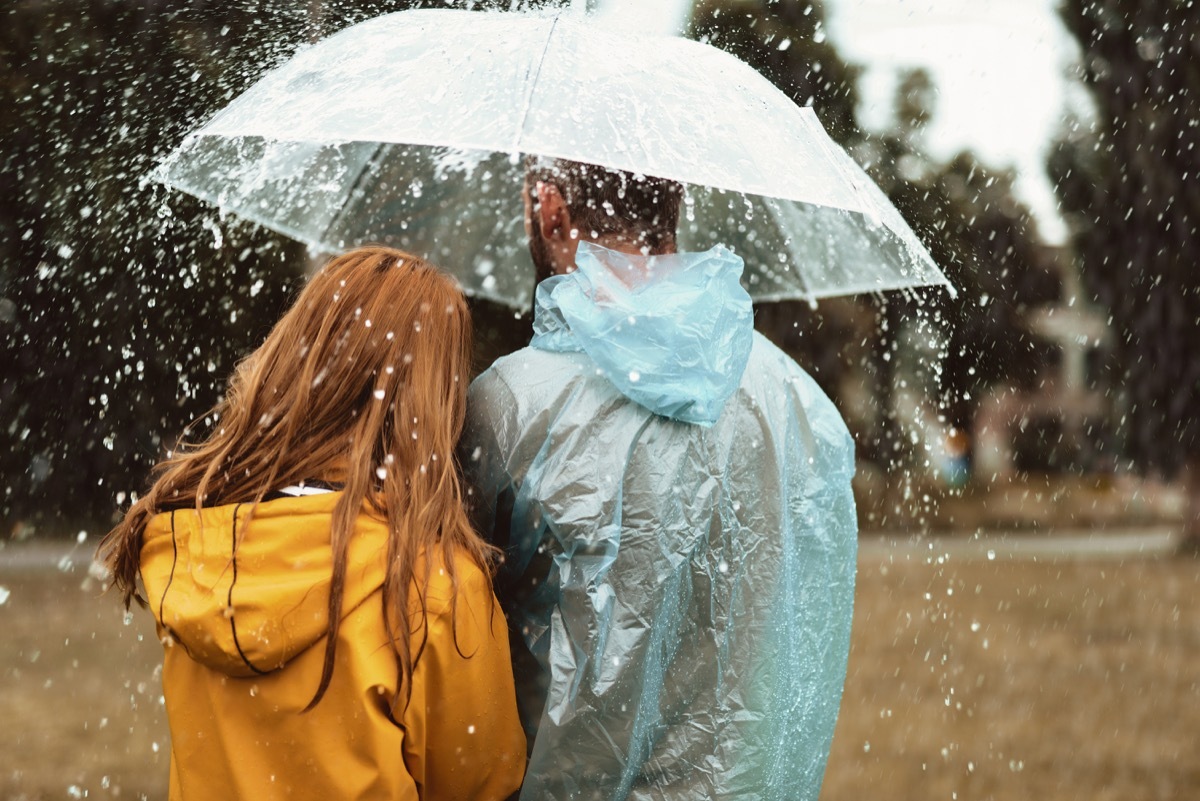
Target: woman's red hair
(364, 380)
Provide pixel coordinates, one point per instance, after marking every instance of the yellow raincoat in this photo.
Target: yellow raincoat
(244, 644)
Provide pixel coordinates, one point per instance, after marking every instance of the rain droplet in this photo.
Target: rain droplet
(635, 376)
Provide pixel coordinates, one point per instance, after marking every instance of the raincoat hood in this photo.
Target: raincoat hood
(672, 333)
(240, 595)
(247, 605)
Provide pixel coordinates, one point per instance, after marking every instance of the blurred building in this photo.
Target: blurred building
(1063, 421)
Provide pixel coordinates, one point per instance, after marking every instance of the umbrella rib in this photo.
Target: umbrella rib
(520, 133)
(367, 168)
(866, 203)
(797, 267)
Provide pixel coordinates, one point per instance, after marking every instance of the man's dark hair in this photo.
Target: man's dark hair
(606, 202)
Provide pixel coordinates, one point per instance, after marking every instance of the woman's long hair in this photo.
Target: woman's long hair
(365, 379)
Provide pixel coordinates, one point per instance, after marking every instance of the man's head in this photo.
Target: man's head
(568, 201)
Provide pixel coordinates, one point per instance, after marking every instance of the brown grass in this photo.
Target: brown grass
(969, 679)
(80, 715)
(1021, 680)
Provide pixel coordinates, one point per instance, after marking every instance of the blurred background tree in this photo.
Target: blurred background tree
(965, 212)
(124, 306)
(1130, 186)
(786, 42)
(118, 309)
(968, 216)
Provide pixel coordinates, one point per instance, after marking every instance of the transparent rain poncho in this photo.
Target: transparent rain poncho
(682, 591)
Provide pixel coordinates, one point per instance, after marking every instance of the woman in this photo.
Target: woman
(326, 610)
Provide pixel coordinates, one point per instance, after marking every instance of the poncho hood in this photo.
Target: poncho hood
(672, 333)
(245, 600)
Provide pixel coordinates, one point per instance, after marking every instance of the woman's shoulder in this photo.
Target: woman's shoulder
(456, 577)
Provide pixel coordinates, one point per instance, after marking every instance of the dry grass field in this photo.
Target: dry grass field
(978, 679)
(969, 679)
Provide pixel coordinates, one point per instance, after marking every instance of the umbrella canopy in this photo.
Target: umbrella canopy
(408, 129)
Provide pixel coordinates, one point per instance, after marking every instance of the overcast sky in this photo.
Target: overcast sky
(1000, 67)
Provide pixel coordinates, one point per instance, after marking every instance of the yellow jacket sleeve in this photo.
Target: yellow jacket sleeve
(463, 738)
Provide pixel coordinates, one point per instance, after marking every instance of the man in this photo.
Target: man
(673, 497)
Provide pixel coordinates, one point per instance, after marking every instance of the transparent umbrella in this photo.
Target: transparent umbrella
(408, 130)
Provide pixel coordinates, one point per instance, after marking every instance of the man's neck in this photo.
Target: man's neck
(640, 267)
(632, 246)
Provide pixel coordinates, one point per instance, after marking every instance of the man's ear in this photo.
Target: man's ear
(551, 214)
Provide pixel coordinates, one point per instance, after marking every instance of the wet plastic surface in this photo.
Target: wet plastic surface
(676, 344)
(408, 130)
(685, 591)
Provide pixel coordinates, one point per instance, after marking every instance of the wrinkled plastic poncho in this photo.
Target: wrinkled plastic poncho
(673, 496)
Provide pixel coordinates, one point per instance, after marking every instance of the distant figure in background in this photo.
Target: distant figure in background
(325, 606)
(673, 497)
